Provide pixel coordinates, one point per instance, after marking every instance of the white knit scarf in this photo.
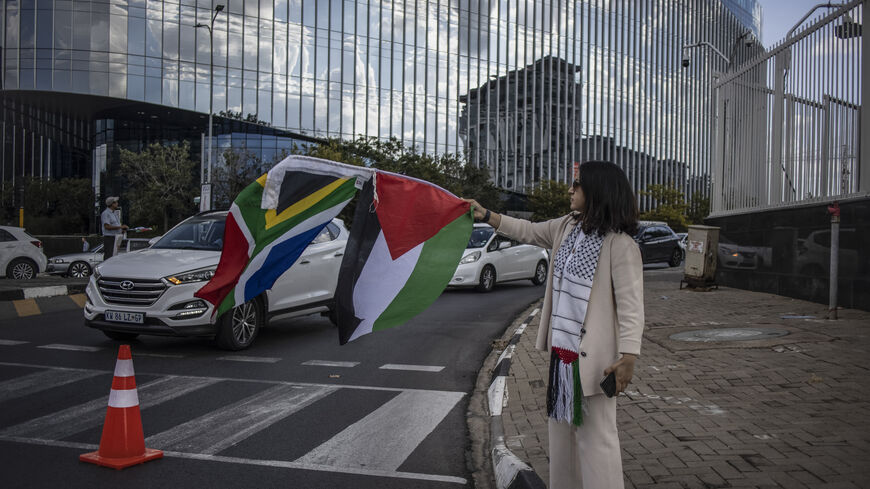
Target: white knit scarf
(573, 271)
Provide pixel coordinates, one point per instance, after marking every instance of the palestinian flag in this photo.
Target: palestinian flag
(273, 220)
(405, 243)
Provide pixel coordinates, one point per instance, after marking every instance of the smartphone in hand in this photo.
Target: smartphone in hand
(608, 385)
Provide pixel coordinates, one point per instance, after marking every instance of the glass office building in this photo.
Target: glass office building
(529, 88)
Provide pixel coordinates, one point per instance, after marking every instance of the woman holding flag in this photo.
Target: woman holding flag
(591, 323)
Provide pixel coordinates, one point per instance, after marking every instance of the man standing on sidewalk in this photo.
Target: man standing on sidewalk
(112, 227)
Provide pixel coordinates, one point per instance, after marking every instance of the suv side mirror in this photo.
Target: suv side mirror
(504, 244)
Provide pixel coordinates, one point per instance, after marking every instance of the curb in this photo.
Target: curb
(38, 292)
(510, 471)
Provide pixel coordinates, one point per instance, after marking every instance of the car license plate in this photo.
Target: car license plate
(125, 317)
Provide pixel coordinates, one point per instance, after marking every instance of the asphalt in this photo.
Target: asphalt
(787, 411)
(726, 411)
(45, 293)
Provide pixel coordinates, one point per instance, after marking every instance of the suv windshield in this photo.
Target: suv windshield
(196, 233)
(479, 237)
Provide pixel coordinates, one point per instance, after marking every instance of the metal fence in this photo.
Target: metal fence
(787, 125)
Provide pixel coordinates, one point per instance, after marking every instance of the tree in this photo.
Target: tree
(161, 182)
(549, 200)
(671, 206)
(699, 208)
(239, 169)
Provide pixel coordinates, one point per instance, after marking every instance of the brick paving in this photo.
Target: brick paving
(788, 412)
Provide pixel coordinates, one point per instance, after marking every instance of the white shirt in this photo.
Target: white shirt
(109, 217)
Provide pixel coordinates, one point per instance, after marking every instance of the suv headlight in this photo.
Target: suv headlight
(200, 275)
(58, 260)
(470, 258)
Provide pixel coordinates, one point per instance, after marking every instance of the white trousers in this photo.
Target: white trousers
(587, 456)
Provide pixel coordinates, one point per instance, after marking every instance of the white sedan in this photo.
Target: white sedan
(491, 258)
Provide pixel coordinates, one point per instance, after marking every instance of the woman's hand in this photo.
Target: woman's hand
(624, 368)
(478, 209)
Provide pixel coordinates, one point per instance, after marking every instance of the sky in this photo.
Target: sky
(778, 16)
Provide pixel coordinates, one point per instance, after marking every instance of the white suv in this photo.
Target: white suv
(151, 291)
(21, 255)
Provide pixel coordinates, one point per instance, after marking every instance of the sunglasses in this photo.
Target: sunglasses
(576, 183)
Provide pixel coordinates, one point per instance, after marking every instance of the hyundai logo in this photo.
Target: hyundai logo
(127, 285)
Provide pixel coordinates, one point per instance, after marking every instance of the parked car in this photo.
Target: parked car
(491, 258)
(659, 243)
(151, 291)
(21, 255)
(81, 265)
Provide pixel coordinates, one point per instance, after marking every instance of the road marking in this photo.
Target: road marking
(242, 358)
(12, 342)
(327, 363)
(40, 381)
(26, 307)
(79, 299)
(416, 368)
(262, 463)
(59, 425)
(387, 436)
(221, 429)
(159, 355)
(238, 379)
(58, 346)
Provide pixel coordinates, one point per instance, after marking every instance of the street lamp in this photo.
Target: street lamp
(205, 191)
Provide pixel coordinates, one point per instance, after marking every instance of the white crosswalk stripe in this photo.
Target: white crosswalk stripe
(228, 426)
(59, 425)
(40, 381)
(376, 445)
(328, 363)
(412, 368)
(387, 436)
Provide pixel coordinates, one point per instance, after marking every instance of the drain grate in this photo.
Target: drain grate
(729, 334)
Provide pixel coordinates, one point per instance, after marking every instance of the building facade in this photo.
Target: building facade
(81, 78)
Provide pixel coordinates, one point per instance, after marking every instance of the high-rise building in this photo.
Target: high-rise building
(83, 78)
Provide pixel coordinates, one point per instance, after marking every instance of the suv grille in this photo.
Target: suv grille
(142, 293)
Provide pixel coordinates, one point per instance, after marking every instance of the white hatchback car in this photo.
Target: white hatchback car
(491, 258)
(151, 291)
(21, 256)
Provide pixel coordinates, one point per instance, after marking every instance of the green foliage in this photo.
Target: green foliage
(699, 208)
(549, 200)
(51, 206)
(671, 206)
(161, 182)
(239, 169)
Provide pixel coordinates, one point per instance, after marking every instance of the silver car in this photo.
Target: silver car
(81, 265)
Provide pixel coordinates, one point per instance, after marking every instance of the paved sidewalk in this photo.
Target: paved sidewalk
(787, 412)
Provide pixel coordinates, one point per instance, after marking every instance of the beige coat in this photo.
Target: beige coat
(614, 318)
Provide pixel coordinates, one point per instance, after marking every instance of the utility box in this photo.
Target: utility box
(702, 245)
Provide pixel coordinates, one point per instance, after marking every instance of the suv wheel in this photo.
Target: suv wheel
(540, 273)
(21, 269)
(487, 279)
(239, 327)
(79, 269)
(676, 257)
(119, 336)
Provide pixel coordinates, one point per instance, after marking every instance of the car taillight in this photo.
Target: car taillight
(37, 243)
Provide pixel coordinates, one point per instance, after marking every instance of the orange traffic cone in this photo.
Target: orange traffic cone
(122, 443)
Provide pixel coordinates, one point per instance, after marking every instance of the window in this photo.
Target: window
(328, 233)
(6, 236)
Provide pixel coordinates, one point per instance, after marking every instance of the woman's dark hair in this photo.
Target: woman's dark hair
(610, 202)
